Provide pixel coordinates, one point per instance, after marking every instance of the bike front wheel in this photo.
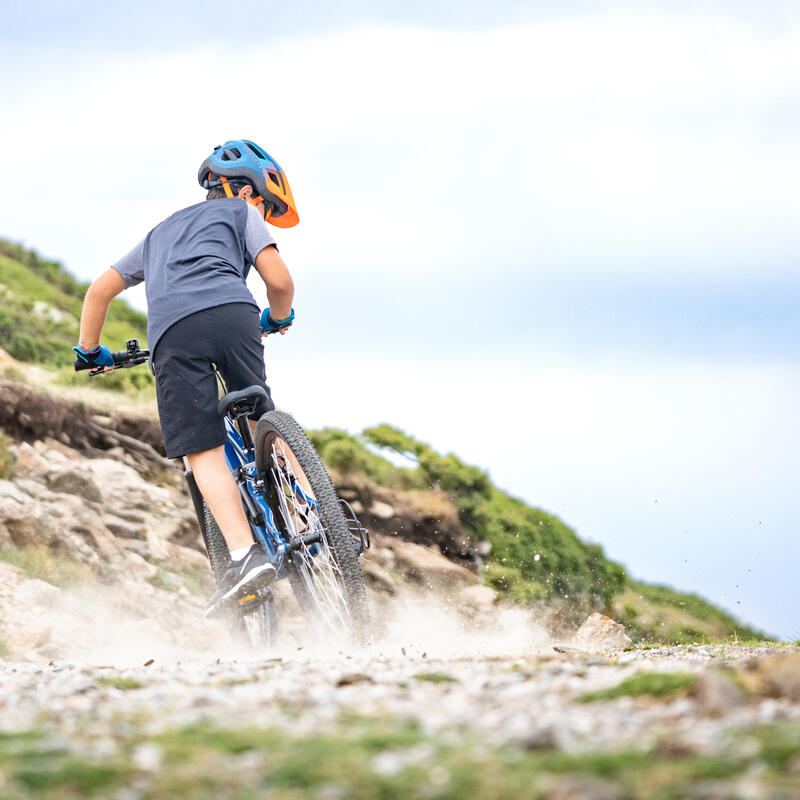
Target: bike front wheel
(323, 567)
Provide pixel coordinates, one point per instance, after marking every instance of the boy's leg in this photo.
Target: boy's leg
(220, 491)
(252, 569)
(186, 389)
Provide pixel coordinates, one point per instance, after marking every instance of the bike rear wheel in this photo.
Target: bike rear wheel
(323, 569)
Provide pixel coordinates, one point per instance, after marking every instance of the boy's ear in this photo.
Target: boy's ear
(245, 192)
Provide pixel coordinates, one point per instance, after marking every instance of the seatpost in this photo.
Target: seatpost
(243, 423)
(238, 406)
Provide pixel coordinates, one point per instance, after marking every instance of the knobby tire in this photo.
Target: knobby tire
(273, 427)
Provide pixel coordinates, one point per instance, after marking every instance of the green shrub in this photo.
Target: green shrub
(467, 486)
(349, 455)
(508, 581)
(534, 555)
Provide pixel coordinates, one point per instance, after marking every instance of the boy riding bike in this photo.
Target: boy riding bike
(202, 316)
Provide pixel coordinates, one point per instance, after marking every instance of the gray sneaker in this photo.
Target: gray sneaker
(243, 577)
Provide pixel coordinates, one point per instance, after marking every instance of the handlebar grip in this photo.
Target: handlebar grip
(121, 359)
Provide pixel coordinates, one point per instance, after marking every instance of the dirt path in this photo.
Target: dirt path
(723, 721)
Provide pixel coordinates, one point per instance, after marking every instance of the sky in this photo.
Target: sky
(559, 240)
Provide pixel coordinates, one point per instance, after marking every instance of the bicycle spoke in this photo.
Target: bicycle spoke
(320, 573)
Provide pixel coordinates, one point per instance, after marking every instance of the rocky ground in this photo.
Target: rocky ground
(112, 684)
(390, 721)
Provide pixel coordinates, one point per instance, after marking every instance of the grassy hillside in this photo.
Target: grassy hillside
(534, 555)
(40, 314)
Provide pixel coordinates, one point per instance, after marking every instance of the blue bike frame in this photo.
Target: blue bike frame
(243, 468)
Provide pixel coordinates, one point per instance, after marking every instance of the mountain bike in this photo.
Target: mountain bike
(312, 537)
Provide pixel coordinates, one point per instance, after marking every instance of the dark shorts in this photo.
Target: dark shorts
(228, 336)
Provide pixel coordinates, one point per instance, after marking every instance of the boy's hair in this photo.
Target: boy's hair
(217, 192)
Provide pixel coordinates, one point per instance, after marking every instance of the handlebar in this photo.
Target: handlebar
(130, 357)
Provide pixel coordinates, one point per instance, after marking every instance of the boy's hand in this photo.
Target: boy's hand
(100, 357)
(269, 325)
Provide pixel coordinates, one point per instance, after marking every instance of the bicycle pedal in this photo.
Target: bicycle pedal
(247, 599)
(247, 602)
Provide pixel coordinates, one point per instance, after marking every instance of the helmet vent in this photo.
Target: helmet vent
(258, 153)
(231, 154)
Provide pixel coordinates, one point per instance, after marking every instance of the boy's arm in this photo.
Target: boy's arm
(95, 307)
(280, 288)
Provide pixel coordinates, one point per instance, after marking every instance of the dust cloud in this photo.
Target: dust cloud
(121, 625)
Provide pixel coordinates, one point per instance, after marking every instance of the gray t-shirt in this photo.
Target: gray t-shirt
(196, 259)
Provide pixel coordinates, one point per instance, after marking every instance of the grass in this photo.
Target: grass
(649, 684)
(6, 458)
(120, 682)
(31, 336)
(39, 562)
(12, 374)
(645, 646)
(191, 578)
(660, 614)
(435, 677)
(198, 582)
(377, 758)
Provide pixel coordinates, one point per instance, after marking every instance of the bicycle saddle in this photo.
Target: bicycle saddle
(237, 404)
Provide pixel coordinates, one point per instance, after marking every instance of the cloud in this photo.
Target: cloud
(583, 145)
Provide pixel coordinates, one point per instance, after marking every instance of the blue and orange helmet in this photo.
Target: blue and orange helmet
(240, 158)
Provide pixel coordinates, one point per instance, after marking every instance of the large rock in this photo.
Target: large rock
(26, 609)
(427, 565)
(123, 528)
(716, 694)
(19, 640)
(601, 633)
(29, 461)
(10, 492)
(23, 519)
(378, 578)
(181, 527)
(478, 597)
(777, 676)
(122, 486)
(74, 480)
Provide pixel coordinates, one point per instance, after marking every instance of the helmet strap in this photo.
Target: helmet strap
(254, 201)
(225, 187)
